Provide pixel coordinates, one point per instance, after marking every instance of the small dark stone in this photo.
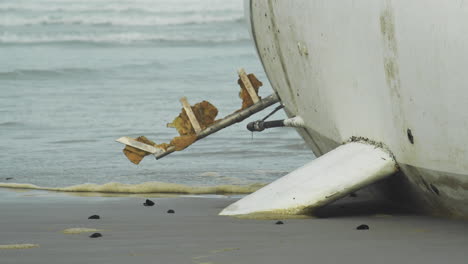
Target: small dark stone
(170, 211)
(353, 194)
(9, 178)
(362, 227)
(279, 223)
(95, 235)
(94, 217)
(148, 203)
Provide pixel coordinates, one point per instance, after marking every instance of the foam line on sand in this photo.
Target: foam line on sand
(19, 246)
(147, 187)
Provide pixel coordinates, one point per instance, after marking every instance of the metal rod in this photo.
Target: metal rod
(230, 120)
(260, 125)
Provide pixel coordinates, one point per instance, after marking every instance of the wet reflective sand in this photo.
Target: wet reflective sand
(194, 233)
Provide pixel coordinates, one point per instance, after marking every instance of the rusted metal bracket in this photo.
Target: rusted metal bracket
(248, 85)
(191, 115)
(140, 145)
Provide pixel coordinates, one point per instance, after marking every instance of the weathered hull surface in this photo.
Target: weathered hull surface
(389, 71)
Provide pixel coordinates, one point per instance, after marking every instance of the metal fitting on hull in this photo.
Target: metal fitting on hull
(260, 125)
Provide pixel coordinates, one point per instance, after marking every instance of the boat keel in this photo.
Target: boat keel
(328, 178)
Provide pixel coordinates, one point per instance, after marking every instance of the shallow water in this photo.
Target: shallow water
(77, 74)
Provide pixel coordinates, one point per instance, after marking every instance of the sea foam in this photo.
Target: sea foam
(156, 6)
(117, 20)
(147, 188)
(19, 246)
(115, 38)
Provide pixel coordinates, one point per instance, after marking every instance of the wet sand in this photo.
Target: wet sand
(195, 233)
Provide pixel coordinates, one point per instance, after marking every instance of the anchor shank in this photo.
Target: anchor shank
(230, 120)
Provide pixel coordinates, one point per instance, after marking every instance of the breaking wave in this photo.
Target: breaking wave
(117, 20)
(122, 6)
(114, 9)
(143, 188)
(116, 38)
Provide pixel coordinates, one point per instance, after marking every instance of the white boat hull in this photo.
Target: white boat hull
(390, 71)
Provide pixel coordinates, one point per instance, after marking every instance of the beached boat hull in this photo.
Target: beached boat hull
(389, 71)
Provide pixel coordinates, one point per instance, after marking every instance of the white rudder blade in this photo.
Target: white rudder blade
(334, 175)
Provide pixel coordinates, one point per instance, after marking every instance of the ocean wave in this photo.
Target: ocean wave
(74, 141)
(117, 9)
(19, 73)
(123, 6)
(11, 124)
(143, 188)
(117, 38)
(118, 20)
(54, 72)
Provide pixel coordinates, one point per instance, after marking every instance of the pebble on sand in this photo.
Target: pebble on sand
(279, 223)
(362, 227)
(148, 203)
(95, 235)
(94, 217)
(170, 211)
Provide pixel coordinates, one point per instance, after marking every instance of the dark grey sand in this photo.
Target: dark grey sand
(133, 233)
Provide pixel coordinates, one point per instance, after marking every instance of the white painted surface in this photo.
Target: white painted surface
(248, 86)
(296, 121)
(374, 69)
(139, 145)
(324, 180)
(192, 118)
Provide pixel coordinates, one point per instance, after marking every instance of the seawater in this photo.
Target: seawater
(77, 74)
